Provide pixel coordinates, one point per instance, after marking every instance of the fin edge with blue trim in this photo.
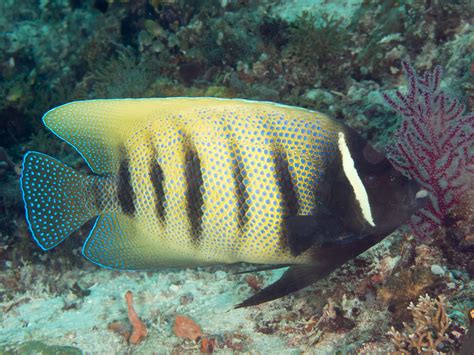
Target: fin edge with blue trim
(55, 198)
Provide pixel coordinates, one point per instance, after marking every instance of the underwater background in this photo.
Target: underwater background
(411, 292)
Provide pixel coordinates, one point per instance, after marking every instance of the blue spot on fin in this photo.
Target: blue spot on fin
(55, 199)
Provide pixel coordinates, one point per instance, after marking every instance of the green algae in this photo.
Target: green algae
(39, 348)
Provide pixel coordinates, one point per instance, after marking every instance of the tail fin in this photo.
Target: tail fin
(55, 197)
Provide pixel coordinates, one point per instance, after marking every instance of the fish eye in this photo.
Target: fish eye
(371, 180)
(392, 178)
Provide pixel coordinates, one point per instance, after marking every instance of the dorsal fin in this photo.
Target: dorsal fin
(98, 129)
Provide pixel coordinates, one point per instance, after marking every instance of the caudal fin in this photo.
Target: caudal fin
(55, 197)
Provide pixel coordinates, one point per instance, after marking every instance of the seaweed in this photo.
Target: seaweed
(321, 43)
(274, 30)
(38, 347)
(379, 36)
(222, 46)
(127, 75)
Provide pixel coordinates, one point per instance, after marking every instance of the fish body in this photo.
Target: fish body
(197, 181)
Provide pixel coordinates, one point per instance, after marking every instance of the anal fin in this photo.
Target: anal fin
(111, 244)
(118, 241)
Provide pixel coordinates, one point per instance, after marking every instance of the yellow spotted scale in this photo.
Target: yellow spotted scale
(193, 181)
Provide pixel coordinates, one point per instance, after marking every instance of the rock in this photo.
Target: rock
(174, 288)
(437, 270)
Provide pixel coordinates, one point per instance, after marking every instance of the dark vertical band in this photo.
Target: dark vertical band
(125, 193)
(240, 177)
(194, 193)
(287, 188)
(157, 181)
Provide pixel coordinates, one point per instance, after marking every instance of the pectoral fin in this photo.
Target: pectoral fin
(304, 232)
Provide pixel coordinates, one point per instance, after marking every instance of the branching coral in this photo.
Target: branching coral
(430, 330)
(434, 146)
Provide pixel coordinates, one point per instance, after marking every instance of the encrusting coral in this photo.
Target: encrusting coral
(185, 327)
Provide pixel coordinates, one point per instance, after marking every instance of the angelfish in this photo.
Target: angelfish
(182, 182)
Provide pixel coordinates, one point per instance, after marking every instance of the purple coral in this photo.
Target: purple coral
(433, 146)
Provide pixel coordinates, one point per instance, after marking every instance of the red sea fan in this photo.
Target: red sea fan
(434, 146)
